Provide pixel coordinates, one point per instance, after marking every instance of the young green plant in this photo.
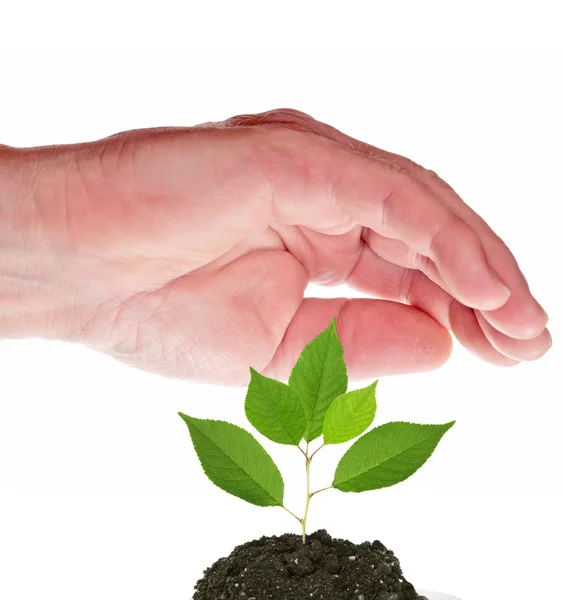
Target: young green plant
(314, 402)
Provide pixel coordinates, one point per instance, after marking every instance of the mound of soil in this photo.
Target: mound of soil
(325, 568)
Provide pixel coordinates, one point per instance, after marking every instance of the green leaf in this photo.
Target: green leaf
(274, 409)
(236, 462)
(387, 455)
(349, 415)
(319, 376)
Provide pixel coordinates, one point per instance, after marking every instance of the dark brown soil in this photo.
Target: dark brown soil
(283, 568)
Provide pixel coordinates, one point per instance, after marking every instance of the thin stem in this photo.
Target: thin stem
(304, 521)
(295, 516)
(322, 490)
(302, 452)
(317, 451)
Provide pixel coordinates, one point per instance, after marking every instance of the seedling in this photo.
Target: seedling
(315, 402)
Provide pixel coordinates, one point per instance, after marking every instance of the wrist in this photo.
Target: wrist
(35, 301)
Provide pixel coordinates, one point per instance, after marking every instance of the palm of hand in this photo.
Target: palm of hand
(192, 252)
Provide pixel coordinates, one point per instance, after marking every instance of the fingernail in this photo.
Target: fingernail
(503, 289)
(546, 316)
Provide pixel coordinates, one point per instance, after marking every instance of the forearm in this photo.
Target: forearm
(34, 300)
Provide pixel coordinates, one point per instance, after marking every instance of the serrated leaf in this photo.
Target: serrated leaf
(274, 409)
(319, 376)
(387, 455)
(235, 461)
(350, 415)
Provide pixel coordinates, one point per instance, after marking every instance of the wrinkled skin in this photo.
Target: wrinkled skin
(187, 251)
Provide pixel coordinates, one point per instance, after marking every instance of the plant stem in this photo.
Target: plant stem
(295, 516)
(304, 521)
(308, 460)
(322, 490)
(317, 450)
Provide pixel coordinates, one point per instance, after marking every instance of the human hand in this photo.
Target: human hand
(187, 251)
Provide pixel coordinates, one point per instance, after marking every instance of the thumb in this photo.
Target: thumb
(379, 337)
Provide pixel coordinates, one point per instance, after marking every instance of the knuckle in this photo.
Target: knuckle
(433, 178)
(416, 170)
(405, 285)
(288, 116)
(241, 121)
(452, 227)
(394, 167)
(279, 117)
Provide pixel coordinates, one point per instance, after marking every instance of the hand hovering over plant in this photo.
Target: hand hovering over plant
(187, 251)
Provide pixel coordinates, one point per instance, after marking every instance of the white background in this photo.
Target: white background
(101, 494)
